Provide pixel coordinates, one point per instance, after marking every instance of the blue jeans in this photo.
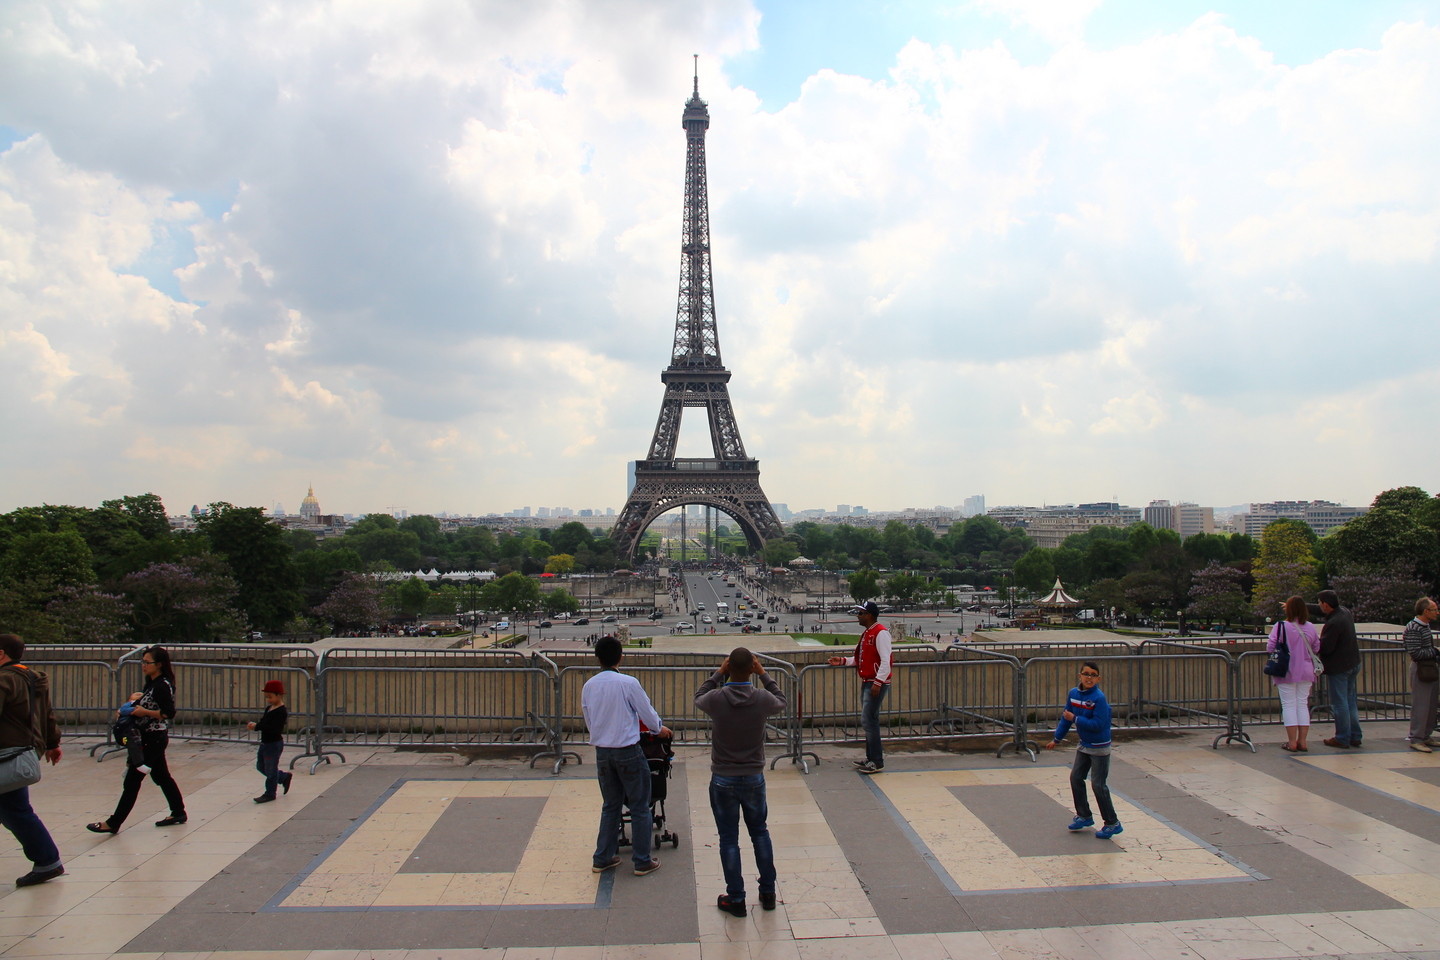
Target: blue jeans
(1345, 704)
(624, 776)
(20, 819)
(729, 798)
(267, 762)
(870, 722)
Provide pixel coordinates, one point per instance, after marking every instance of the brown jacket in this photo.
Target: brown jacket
(15, 708)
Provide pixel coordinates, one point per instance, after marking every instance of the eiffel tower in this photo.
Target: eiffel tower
(730, 480)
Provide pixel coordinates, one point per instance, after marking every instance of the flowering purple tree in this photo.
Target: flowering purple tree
(85, 614)
(1383, 594)
(1216, 593)
(354, 604)
(191, 599)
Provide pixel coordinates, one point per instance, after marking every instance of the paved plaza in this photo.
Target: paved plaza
(1226, 855)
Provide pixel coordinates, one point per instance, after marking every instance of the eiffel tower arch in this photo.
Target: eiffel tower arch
(728, 481)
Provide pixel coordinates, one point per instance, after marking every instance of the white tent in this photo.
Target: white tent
(1058, 597)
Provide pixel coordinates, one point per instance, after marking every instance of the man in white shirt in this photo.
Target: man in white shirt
(614, 706)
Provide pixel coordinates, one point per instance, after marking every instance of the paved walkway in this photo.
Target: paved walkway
(1225, 856)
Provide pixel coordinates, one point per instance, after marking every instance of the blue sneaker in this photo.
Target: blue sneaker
(1108, 831)
(1080, 823)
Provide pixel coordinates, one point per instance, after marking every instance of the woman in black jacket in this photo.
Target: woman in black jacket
(154, 708)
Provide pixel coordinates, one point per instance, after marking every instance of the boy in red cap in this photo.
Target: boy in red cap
(272, 740)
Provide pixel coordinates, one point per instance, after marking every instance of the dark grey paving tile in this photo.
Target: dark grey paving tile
(180, 932)
(548, 928)
(1031, 823)
(478, 835)
(902, 915)
(1028, 910)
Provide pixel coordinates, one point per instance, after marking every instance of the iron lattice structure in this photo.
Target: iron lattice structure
(729, 481)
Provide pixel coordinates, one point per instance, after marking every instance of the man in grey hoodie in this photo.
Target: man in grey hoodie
(737, 769)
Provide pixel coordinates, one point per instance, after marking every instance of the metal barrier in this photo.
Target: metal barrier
(84, 696)
(928, 700)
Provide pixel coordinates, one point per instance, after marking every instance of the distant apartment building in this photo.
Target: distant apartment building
(974, 506)
(1050, 526)
(782, 511)
(843, 510)
(1322, 515)
(859, 511)
(1186, 519)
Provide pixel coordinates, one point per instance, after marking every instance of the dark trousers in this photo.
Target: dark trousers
(624, 776)
(1098, 770)
(730, 798)
(870, 722)
(20, 819)
(267, 761)
(154, 744)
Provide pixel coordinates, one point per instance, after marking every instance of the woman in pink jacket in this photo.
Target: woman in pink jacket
(1294, 688)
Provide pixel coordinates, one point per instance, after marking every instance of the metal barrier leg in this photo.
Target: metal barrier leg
(795, 751)
(1234, 725)
(557, 748)
(315, 747)
(1021, 740)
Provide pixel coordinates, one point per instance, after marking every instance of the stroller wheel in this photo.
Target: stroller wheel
(675, 840)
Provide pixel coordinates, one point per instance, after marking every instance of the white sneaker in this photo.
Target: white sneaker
(142, 769)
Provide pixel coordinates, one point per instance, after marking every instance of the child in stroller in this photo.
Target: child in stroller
(660, 755)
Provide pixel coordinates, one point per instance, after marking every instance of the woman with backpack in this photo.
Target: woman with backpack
(154, 709)
(1302, 644)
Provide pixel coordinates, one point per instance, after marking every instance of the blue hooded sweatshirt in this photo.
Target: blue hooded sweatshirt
(1092, 717)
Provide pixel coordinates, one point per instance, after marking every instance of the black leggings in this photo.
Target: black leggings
(154, 744)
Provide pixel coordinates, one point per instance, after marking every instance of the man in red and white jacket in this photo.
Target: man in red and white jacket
(872, 660)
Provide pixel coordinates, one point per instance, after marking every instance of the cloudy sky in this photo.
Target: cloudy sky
(425, 254)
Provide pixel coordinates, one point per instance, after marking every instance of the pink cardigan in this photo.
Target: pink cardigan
(1296, 635)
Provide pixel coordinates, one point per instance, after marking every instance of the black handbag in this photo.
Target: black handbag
(1278, 665)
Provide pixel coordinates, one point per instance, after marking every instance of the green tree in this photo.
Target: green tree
(1286, 567)
(55, 560)
(513, 593)
(411, 596)
(260, 560)
(779, 552)
(146, 510)
(560, 601)
(559, 564)
(1401, 529)
(570, 537)
(902, 588)
(1035, 571)
(864, 585)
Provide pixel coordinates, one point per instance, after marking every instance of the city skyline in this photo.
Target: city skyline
(1072, 252)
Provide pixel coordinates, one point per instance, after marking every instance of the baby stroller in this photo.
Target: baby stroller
(660, 755)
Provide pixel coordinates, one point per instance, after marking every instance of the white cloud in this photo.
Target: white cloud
(426, 254)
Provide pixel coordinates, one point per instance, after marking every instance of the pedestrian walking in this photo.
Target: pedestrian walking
(1424, 675)
(872, 662)
(27, 722)
(1300, 639)
(1340, 653)
(1089, 712)
(272, 740)
(737, 770)
(614, 706)
(154, 708)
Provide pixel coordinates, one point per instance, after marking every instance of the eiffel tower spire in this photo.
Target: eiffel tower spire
(729, 481)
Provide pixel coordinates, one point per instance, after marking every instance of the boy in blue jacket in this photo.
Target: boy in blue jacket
(1089, 711)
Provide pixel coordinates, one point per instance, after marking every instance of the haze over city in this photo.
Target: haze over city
(425, 255)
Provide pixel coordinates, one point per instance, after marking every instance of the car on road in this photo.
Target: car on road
(706, 619)
(609, 619)
(656, 615)
(583, 622)
(503, 625)
(544, 624)
(684, 625)
(699, 606)
(772, 619)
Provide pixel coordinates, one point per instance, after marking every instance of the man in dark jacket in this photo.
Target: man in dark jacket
(737, 769)
(17, 685)
(1340, 653)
